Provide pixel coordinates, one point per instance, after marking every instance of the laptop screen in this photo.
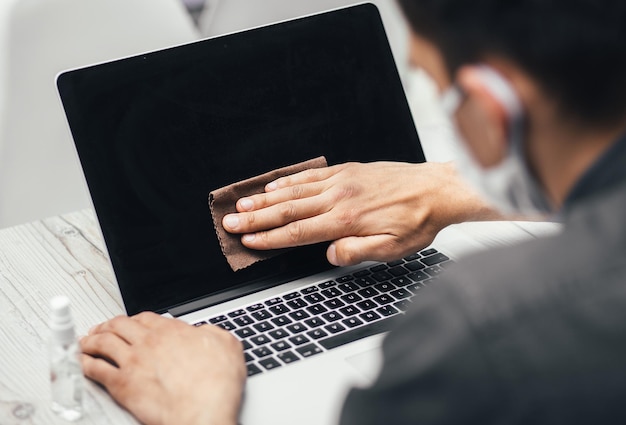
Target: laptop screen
(157, 132)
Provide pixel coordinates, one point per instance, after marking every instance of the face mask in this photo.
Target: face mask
(509, 185)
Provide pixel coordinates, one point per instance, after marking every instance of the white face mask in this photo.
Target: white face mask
(509, 185)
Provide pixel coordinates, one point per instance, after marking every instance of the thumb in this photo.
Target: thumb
(354, 250)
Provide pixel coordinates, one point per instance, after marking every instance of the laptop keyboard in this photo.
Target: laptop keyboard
(296, 325)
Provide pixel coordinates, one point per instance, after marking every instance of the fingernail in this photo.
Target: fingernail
(331, 254)
(271, 186)
(250, 237)
(246, 204)
(232, 221)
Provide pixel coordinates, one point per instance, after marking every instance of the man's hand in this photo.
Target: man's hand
(377, 211)
(165, 371)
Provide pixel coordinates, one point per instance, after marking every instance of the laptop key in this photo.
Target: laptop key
(414, 288)
(384, 299)
(331, 316)
(243, 321)
(355, 334)
(334, 303)
(429, 251)
(296, 328)
(299, 339)
(259, 339)
(288, 357)
(368, 292)
(198, 324)
(273, 301)
(279, 309)
(226, 325)
(237, 313)
(352, 322)
(247, 357)
(291, 296)
(253, 369)
(246, 344)
(344, 279)
(366, 305)
(314, 298)
(281, 320)
(435, 259)
(364, 282)
(351, 298)
(382, 276)
(414, 265)
(412, 257)
(385, 286)
(317, 334)
(395, 263)
(280, 346)
(309, 350)
(348, 287)
(379, 268)
(314, 322)
(387, 310)
(402, 305)
(269, 363)
(400, 293)
(278, 333)
(244, 332)
(335, 327)
(255, 307)
(261, 315)
(327, 284)
(299, 315)
(433, 271)
(398, 271)
(263, 326)
(401, 281)
(331, 292)
(349, 310)
(361, 273)
(317, 309)
(310, 290)
(261, 352)
(297, 303)
(418, 276)
(217, 319)
(369, 316)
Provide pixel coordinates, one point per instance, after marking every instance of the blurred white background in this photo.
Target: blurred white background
(39, 172)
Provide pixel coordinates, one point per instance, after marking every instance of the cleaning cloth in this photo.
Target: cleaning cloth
(222, 201)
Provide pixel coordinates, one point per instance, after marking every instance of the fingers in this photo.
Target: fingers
(276, 215)
(296, 233)
(354, 250)
(99, 370)
(307, 176)
(290, 193)
(106, 345)
(125, 327)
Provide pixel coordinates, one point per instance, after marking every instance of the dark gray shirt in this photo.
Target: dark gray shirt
(532, 334)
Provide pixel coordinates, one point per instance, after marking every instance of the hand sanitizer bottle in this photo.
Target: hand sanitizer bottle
(66, 375)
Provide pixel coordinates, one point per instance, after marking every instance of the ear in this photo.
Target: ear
(483, 118)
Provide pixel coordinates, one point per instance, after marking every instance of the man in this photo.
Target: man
(527, 334)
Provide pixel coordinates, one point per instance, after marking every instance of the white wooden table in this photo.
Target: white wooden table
(59, 255)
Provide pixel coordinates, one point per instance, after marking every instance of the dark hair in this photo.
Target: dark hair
(574, 49)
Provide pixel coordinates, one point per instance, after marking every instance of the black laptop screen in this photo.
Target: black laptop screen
(157, 132)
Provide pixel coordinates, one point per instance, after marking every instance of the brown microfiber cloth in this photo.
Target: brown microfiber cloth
(222, 201)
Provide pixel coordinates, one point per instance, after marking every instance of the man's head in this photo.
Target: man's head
(565, 59)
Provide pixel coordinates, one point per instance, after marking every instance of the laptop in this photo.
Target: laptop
(156, 132)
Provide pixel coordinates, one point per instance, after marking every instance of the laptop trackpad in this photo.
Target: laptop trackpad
(367, 363)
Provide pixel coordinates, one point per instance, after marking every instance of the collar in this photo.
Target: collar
(607, 172)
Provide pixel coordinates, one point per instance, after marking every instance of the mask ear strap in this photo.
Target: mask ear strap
(502, 90)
